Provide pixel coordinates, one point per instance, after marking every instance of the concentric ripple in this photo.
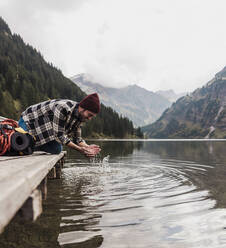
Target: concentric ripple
(141, 200)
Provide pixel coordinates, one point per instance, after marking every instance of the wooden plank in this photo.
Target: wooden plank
(40, 164)
(19, 178)
(43, 187)
(4, 158)
(52, 173)
(58, 170)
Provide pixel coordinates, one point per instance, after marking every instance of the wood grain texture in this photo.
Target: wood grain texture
(19, 177)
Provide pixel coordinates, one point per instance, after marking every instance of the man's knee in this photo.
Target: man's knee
(57, 149)
(52, 147)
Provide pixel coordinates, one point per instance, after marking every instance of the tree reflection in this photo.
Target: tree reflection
(112, 148)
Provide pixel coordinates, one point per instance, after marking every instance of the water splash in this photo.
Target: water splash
(102, 163)
(96, 160)
(106, 160)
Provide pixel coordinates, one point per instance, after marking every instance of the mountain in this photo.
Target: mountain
(170, 95)
(138, 104)
(26, 78)
(201, 114)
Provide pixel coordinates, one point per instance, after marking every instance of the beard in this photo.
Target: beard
(82, 118)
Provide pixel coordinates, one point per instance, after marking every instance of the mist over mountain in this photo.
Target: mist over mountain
(138, 104)
(201, 114)
(170, 95)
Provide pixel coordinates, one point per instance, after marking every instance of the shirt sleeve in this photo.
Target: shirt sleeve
(78, 136)
(59, 122)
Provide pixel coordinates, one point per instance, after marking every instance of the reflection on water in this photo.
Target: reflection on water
(146, 194)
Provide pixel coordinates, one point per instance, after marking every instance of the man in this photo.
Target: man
(53, 122)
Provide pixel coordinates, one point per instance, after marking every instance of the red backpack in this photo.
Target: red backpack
(14, 140)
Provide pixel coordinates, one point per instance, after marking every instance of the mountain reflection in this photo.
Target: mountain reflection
(210, 153)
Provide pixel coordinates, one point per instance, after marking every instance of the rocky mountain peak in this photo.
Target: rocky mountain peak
(200, 114)
(136, 103)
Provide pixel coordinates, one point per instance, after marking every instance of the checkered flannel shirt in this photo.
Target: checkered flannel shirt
(54, 120)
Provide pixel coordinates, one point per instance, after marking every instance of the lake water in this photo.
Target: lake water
(158, 194)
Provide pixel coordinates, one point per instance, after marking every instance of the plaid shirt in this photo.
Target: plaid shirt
(54, 120)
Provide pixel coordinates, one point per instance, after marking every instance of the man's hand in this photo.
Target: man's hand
(95, 147)
(90, 151)
(87, 150)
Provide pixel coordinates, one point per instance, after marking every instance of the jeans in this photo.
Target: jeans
(52, 147)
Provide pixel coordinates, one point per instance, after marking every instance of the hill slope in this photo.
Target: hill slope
(138, 104)
(26, 78)
(202, 114)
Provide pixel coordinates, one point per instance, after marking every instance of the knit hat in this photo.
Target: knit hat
(91, 103)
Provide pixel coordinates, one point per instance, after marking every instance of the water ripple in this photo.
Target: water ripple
(160, 201)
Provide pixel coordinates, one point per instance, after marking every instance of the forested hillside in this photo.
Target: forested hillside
(26, 78)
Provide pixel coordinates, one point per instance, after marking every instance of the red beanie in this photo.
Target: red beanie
(91, 103)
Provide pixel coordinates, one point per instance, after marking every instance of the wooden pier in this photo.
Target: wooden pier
(23, 184)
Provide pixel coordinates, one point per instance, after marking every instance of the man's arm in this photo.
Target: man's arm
(88, 150)
(59, 120)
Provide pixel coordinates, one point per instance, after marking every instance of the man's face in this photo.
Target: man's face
(86, 115)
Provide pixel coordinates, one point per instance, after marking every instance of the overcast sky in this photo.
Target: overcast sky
(157, 44)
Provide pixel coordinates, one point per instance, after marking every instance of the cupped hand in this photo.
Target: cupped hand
(90, 151)
(94, 146)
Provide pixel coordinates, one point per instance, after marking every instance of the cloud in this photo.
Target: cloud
(33, 7)
(156, 44)
(116, 63)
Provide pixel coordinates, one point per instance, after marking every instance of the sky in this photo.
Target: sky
(156, 44)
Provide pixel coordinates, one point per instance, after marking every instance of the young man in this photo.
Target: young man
(53, 122)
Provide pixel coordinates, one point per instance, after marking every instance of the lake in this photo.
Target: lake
(145, 194)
